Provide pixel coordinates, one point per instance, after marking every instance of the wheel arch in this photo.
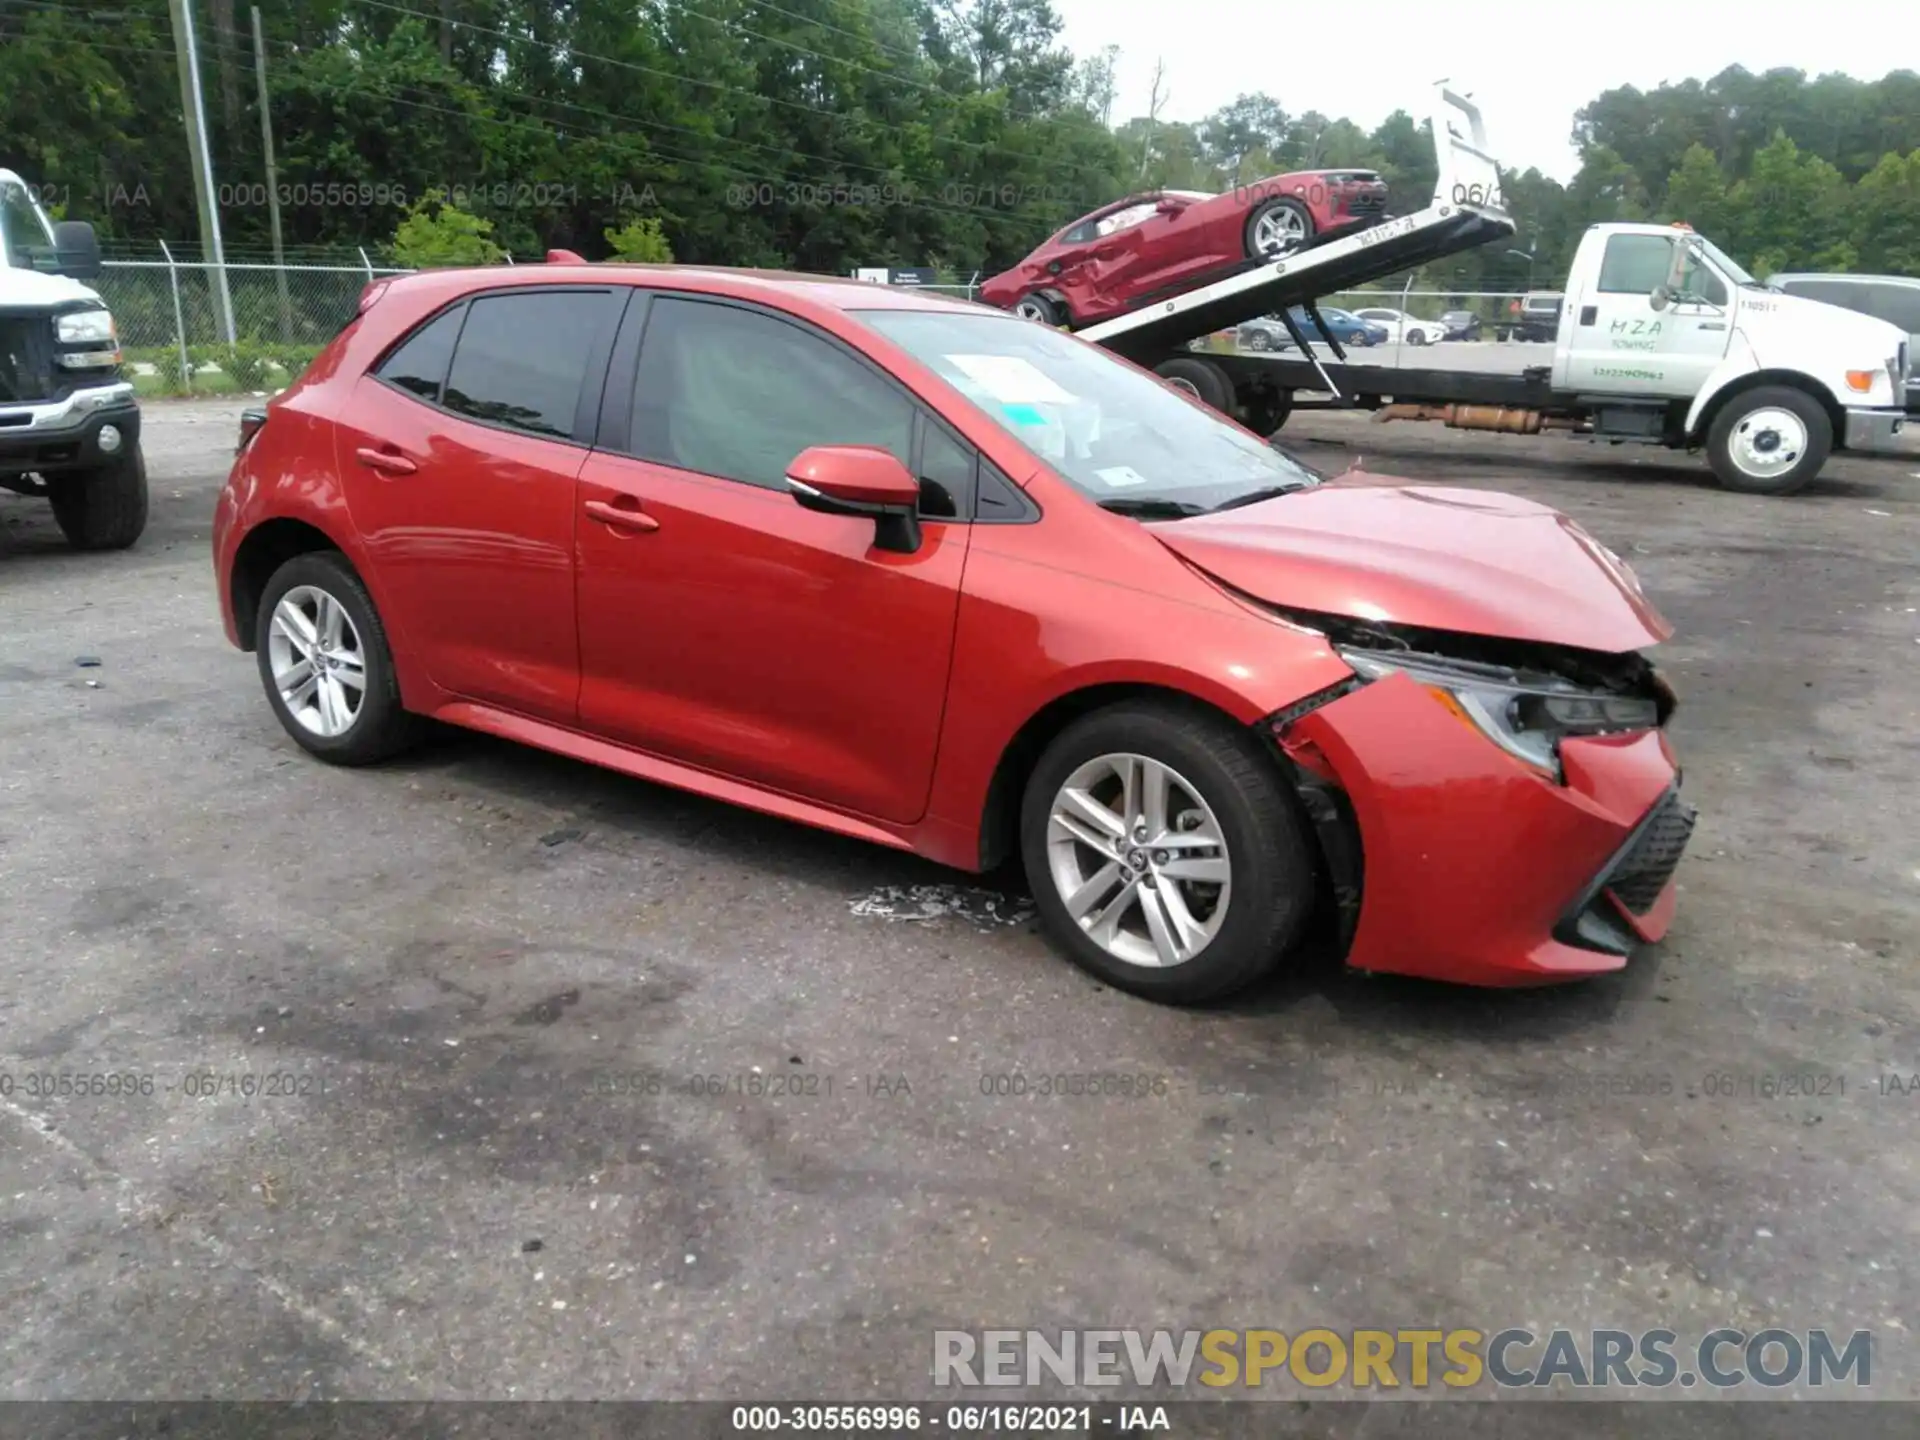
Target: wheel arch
(1000, 809)
(263, 550)
(1711, 401)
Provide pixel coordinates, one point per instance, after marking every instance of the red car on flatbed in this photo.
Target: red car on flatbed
(1124, 254)
(917, 572)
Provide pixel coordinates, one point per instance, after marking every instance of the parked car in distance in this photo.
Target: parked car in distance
(1461, 324)
(895, 566)
(1893, 298)
(1534, 318)
(1403, 328)
(1117, 257)
(1267, 333)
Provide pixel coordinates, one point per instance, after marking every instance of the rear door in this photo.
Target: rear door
(459, 453)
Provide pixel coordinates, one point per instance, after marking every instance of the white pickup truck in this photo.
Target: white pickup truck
(69, 424)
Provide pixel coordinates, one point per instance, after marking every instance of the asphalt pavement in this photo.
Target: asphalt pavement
(486, 1074)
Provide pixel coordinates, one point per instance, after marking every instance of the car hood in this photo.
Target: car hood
(30, 289)
(1471, 561)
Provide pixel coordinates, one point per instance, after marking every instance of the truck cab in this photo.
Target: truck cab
(1658, 312)
(69, 423)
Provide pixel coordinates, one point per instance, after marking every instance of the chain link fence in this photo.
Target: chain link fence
(168, 315)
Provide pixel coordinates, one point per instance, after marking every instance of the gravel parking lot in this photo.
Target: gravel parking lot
(532, 1017)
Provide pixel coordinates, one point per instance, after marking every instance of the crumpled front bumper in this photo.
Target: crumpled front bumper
(1477, 870)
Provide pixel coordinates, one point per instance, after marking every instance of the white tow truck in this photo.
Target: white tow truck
(69, 423)
(1662, 340)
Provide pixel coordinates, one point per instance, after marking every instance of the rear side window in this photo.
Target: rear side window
(734, 393)
(521, 358)
(1899, 304)
(419, 366)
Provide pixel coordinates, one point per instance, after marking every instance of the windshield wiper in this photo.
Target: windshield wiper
(1254, 497)
(1143, 508)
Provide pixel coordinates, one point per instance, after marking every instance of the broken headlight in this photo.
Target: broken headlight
(1525, 715)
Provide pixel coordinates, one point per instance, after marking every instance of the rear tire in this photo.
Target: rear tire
(1201, 379)
(1043, 309)
(104, 508)
(315, 606)
(1259, 340)
(1771, 440)
(1277, 228)
(1140, 916)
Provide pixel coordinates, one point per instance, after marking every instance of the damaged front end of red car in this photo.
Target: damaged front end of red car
(1492, 811)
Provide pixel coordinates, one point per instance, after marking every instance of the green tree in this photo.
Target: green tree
(640, 242)
(437, 234)
(1697, 194)
(1886, 225)
(1792, 211)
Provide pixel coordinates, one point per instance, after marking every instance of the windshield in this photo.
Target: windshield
(1726, 264)
(1114, 433)
(22, 231)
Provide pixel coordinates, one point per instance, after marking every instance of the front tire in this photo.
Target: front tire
(1416, 337)
(1165, 853)
(326, 665)
(1259, 340)
(1771, 440)
(104, 508)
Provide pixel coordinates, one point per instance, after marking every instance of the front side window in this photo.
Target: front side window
(521, 358)
(738, 394)
(1113, 432)
(1635, 264)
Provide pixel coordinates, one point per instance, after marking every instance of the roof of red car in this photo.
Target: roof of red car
(828, 290)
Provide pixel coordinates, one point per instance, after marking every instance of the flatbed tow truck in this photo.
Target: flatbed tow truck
(1662, 340)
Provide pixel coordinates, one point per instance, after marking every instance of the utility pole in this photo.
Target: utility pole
(195, 114)
(273, 181)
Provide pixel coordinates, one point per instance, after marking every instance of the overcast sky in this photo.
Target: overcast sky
(1527, 67)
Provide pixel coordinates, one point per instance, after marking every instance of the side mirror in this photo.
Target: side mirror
(860, 480)
(76, 249)
(1661, 297)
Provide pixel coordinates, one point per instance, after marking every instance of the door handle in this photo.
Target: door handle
(1589, 314)
(389, 462)
(628, 516)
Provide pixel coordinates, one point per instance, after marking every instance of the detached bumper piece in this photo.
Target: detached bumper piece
(1629, 900)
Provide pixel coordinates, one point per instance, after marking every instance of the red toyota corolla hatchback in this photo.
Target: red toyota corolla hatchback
(922, 573)
(1122, 255)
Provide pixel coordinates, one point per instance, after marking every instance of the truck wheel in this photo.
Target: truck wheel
(1265, 415)
(104, 508)
(1770, 440)
(1200, 378)
(1278, 227)
(1043, 308)
(1165, 853)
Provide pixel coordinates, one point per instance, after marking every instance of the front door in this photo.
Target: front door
(723, 626)
(1621, 345)
(460, 453)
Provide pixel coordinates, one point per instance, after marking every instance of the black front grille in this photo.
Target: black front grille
(1371, 203)
(26, 359)
(1643, 872)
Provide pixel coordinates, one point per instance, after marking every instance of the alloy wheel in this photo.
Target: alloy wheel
(318, 664)
(1279, 231)
(1139, 860)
